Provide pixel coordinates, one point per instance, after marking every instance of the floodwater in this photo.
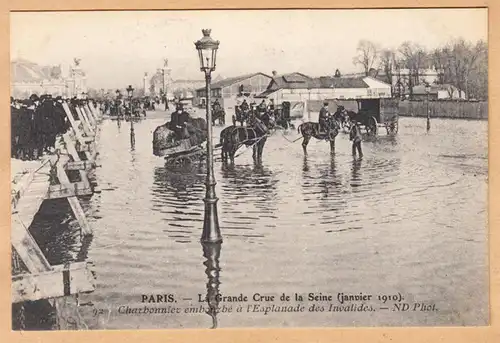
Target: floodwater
(409, 218)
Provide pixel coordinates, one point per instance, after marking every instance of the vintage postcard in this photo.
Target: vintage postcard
(249, 169)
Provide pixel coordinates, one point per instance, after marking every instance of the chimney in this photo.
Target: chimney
(275, 73)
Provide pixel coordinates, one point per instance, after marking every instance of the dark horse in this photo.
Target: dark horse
(220, 115)
(255, 135)
(311, 129)
(344, 117)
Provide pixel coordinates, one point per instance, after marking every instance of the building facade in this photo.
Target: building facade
(174, 88)
(305, 94)
(296, 89)
(228, 90)
(402, 79)
(438, 92)
(30, 78)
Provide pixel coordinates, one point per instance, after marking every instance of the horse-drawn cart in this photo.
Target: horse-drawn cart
(178, 151)
(375, 113)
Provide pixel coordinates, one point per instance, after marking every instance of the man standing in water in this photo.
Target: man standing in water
(355, 137)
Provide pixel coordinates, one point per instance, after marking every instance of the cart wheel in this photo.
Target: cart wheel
(371, 126)
(392, 128)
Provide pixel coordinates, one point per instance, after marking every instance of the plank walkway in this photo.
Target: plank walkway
(33, 182)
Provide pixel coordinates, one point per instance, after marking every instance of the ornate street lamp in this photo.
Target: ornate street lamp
(428, 90)
(130, 92)
(207, 51)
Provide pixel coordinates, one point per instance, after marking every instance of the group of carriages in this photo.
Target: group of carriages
(120, 108)
(252, 123)
(280, 114)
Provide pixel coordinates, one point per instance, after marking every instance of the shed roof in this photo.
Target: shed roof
(232, 80)
(291, 80)
(337, 82)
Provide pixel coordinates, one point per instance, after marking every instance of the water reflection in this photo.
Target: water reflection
(355, 172)
(57, 232)
(305, 164)
(132, 136)
(323, 189)
(178, 180)
(177, 194)
(211, 252)
(249, 195)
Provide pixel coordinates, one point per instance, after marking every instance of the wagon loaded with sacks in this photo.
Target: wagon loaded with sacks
(180, 145)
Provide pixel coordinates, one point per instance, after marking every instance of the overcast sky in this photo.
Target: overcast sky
(116, 48)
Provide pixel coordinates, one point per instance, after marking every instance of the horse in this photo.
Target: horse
(255, 135)
(220, 115)
(343, 117)
(311, 129)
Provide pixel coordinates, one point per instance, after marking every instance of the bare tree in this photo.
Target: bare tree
(414, 58)
(367, 55)
(478, 76)
(387, 65)
(462, 60)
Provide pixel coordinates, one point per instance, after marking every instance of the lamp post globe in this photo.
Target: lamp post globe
(130, 91)
(207, 53)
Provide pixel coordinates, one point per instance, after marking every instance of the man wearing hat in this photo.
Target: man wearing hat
(323, 117)
(35, 100)
(178, 121)
(262, 106)
(244, 106)
(355, 137)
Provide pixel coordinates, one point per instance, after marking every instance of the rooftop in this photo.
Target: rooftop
(232, 80)
(338, 82)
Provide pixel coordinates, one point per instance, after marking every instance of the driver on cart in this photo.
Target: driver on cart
(178, 122)
(244, 106)
(262, 107)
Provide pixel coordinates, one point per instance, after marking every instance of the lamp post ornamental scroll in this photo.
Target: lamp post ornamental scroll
(207, 51)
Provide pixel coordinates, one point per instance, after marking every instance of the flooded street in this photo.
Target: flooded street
(410, 217)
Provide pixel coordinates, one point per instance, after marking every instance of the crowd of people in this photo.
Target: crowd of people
(36, 122)
(120, 106)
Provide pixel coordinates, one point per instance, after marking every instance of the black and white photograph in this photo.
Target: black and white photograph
(199, 169)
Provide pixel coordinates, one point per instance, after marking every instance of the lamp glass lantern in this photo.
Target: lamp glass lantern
(207, 51)
(130, 91)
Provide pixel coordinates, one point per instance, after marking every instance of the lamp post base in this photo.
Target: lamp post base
(211, 231)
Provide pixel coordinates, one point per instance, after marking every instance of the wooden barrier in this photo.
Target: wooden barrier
(60, 281)
(43, 280)
(445, 109)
